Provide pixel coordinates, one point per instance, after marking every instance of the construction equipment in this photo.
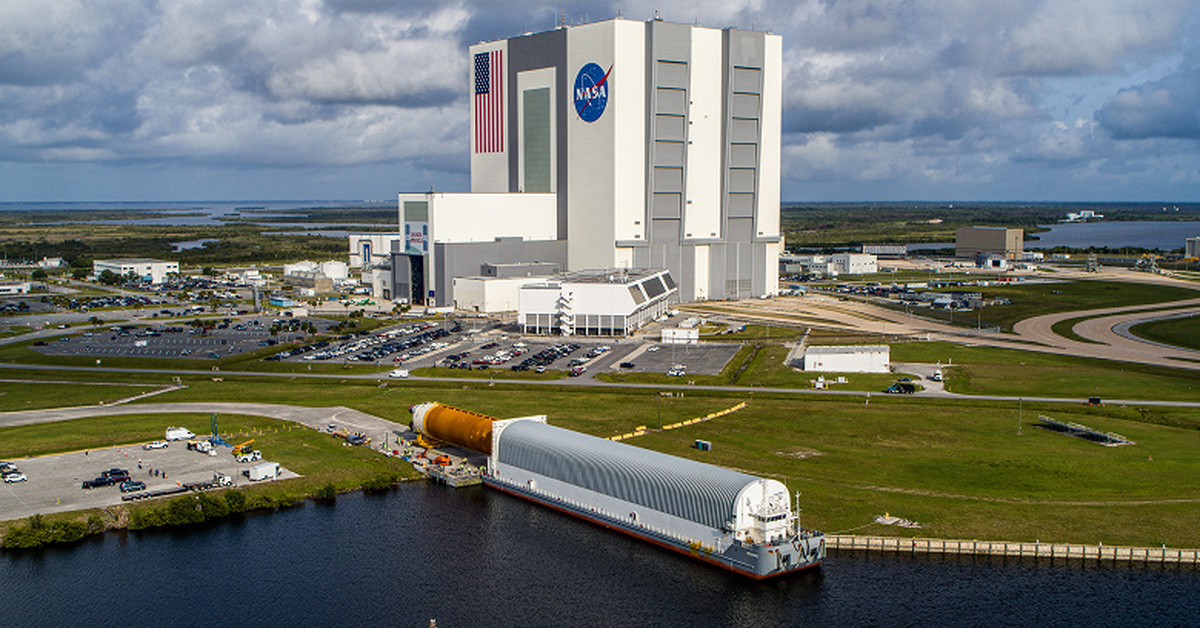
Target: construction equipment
(248, 456)
(243, 448)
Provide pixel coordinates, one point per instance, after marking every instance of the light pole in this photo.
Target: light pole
(1020, 404)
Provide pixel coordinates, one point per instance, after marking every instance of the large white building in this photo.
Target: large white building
(152, 270)
(616, 144)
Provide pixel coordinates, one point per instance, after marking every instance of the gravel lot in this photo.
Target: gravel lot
(54, 481)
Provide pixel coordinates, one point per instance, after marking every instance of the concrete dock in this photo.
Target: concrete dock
(1066, 551)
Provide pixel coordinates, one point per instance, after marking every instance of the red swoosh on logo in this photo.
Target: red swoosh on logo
(605, 79)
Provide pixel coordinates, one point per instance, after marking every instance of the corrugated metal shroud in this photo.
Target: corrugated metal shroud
(690, 490)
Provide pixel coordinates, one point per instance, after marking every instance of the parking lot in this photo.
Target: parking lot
(700, 359)
(500, 352)
(54, 481)
(173, 339)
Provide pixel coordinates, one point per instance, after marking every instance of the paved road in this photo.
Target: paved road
(1033, 334)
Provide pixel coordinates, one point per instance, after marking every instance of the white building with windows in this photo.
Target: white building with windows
(151, 270)
(612, 302)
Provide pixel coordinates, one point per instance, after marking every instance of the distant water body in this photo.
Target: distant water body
(192, 213)
(480, 558)
(1165, 236)
(1162, 235)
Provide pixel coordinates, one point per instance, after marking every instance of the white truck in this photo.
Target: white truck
(249, 456)
(179, 433)
(264, 471)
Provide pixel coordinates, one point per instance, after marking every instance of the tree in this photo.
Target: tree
(38, 274)
(109, 278)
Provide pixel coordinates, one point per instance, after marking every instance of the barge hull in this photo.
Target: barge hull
(723, 559)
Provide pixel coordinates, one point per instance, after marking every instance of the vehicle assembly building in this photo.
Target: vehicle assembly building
(610, 145)
(731, 519)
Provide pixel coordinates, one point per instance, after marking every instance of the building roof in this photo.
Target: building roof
(133, 260)
(608, 275)
(846, 350)
(691, 490)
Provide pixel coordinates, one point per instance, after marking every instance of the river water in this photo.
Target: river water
(478, 558)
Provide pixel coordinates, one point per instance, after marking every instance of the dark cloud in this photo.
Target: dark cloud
(1165, 108)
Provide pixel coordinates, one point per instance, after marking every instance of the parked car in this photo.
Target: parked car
(14, 476)
(98, 482)
(627, 365)
(129, 486)
(156, 444)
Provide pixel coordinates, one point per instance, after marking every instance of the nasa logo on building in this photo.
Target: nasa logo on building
(591, 92)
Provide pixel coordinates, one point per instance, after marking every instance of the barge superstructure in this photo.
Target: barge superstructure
(731, 519)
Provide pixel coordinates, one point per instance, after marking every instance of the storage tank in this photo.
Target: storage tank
(453, 425)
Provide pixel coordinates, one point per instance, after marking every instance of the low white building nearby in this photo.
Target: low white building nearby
(854, 263)
(611, 302)
(490, 295)
(829, 265)
(153, 270)
(681, 335)
(848, 359)
(14, 287)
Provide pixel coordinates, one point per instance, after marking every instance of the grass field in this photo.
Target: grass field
(1179, 332)
(956, 466)
(24, 394)
(993, 371)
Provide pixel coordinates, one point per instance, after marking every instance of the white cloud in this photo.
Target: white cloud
(944, 94)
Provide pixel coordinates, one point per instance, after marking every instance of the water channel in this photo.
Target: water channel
(479, 558)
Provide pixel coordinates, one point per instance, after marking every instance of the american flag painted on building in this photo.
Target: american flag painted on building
(489, 102)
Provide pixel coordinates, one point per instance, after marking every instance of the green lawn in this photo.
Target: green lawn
(487, 374)
(957, 466)
(1179, 332)
(993, 371)
(27, 395)
(961, 470)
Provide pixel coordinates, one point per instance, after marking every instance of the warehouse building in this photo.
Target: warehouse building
(616, 144)
(149, 270)
(848, 359)
(615, 302)
(970, 242)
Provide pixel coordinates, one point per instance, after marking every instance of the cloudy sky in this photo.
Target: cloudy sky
(1072, 100)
